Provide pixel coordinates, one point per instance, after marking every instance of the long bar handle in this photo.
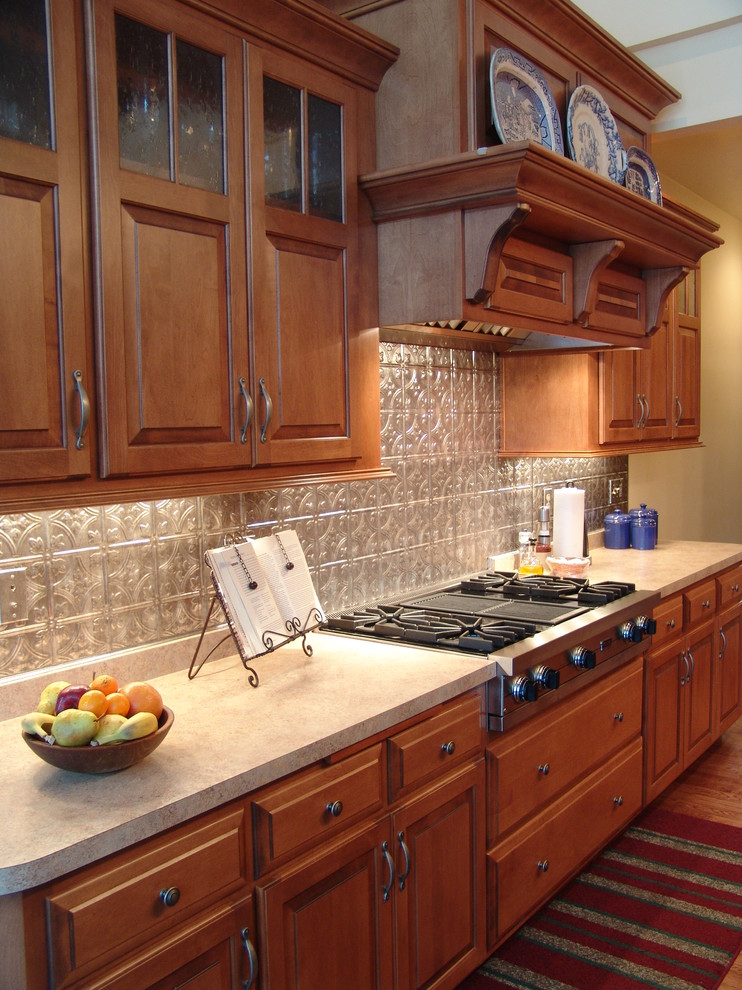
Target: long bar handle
(387, 888)
(84, 409)
(252, 957)
(406, 853)
(268, 410)
(679, 406)
(249, 408)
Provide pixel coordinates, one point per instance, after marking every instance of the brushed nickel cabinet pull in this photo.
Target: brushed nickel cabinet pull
(448, 748)
(252, 958)
(386, 889)
(84, 409)
(268, 410)
(543, 865)
(618, 716)
(544, 769)
(723, 649)
(618, 801)
(249, 408)
(335, 808)
(406, 853)
(169, 896)
(679, 406)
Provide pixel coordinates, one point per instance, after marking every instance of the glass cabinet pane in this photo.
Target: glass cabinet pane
(143, 98)
(200, 118)
(25, 90)
(325, 159)
(282, 134)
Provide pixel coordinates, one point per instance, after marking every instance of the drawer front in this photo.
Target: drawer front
(700, 602)
(527, 870)
(418, 754)
(728, 585)
(669, 618)
(113, 907)
(315, 805)
(537, 765)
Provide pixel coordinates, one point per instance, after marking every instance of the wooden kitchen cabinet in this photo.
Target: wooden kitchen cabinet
(226, 317)
(729, 653)
(45, 378)
(174, 908)
(680, 688)
(615, 401)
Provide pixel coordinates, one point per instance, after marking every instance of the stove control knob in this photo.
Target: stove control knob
(546, 677)
(646, 624)
(583, 658)
(630, 632)
(522, 688)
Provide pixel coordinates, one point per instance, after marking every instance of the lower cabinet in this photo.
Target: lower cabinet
(680, 687)
(729, 654)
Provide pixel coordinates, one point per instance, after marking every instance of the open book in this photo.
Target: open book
(266, 590)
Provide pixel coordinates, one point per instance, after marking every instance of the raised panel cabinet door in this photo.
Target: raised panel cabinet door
(304, 256)
(728, 690)
(45, 383)
(687, 363)
(665, 693)
(656, 386)
(440, 887)
(326, 919)
(620, 409)
(170, 249)
(699, 690)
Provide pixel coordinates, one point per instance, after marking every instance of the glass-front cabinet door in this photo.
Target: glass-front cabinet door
(172, 314)
(44, 378)
(304, 241)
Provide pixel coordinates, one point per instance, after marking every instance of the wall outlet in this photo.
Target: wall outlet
(13, 600)
(615, 491)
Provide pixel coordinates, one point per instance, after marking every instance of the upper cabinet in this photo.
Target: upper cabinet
(491, 237)
(45, 379)
(231, 266)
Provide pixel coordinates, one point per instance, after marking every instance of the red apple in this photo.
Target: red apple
(68, 697)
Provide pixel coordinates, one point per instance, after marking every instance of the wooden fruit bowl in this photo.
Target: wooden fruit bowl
(101, 759)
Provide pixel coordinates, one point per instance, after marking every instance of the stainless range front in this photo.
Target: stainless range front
(549, 636)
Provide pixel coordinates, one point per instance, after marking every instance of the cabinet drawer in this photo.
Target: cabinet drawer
(434, 746)
(314, 805)
(110, 908)
(669, 618)
(539, 762)
(700, 602)
(528, 868)
(534, 280)
(728, 585)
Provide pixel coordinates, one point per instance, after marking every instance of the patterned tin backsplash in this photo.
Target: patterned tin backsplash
(102, 579)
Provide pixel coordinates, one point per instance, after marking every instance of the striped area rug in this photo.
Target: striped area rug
(661, 907)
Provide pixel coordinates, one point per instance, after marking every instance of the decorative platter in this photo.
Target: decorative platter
(592, 135)
(523, 107)
(641, 175)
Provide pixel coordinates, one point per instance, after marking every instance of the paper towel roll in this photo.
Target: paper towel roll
(569, 522)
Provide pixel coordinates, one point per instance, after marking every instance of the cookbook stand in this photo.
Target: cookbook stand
(272, 640)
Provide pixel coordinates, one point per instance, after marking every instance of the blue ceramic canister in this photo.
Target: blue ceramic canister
(643, 527)
(617, 530)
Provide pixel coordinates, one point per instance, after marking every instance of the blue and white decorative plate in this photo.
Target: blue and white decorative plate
(523, 107)
(593, 136)
(641, 175)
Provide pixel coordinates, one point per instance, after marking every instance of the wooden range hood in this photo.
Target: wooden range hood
(517, 236)
(514, 241)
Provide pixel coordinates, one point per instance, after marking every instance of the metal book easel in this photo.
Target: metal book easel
(272, 640)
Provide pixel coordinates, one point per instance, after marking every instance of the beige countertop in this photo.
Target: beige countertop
(229, 738)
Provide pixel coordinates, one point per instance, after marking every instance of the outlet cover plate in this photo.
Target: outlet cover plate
(13, 598)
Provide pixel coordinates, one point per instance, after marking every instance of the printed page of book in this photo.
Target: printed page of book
(293, 588)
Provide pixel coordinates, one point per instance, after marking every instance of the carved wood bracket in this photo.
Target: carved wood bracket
(481, 242)
(588, 261)
(660, 282)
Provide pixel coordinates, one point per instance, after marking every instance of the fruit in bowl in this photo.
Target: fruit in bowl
(92, 731)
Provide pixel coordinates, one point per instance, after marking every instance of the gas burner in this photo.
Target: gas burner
(542, 587)
(481, 584)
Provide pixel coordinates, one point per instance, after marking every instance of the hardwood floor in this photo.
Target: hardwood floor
(712, 789)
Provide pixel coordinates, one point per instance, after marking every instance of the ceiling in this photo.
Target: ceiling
(707, 159)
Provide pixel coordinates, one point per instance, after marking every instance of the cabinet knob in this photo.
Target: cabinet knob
(618, 801)
(706, 604)
(543, 865)
(544, 769)
(448, 748)
(618, 716)
(169, 896)
(671, 623)
(335, 808)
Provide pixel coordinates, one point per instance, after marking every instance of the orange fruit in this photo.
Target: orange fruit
(117, 704)
(143, 698)
(104, 683)
(93, 701)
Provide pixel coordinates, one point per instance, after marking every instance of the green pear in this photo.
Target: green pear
(48, 700)
(37, 724)
(108, 726)
(73, 727)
